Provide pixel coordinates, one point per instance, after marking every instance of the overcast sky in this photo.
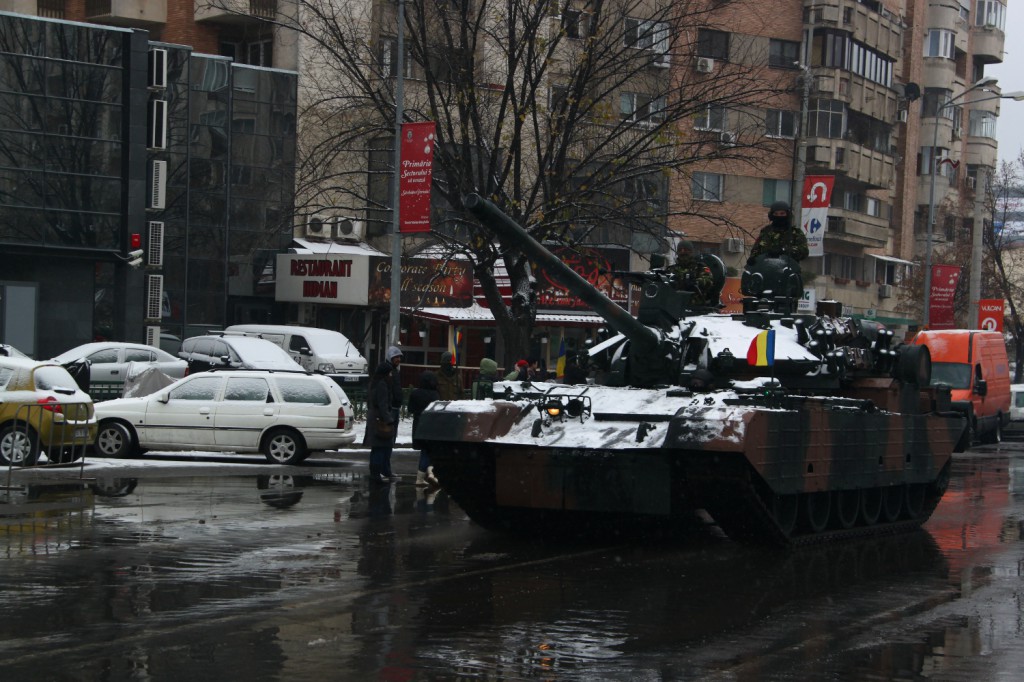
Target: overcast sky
(1010, 129)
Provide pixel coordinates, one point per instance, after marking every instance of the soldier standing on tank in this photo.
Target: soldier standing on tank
(780, 237)
(689, 274)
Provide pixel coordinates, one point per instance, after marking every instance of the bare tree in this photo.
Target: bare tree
(583, 121)
(1004, 242)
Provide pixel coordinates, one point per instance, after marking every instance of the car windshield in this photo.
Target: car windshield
(51, 377)
(954, 374)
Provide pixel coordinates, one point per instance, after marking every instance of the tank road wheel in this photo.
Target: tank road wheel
(870, 505)
(816, 510)
(892, 502)
(847, 507)
(916, 494)
(785, 510)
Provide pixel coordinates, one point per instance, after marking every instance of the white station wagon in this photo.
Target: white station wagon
(284, 415)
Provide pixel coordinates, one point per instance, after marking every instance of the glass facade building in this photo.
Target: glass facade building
(97, 144)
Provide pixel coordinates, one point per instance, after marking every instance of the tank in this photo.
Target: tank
(840, 435)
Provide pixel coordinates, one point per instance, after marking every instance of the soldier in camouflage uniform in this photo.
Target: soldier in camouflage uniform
(689, 274)
(780, 236)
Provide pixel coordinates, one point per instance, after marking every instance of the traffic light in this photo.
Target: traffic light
(134, 257)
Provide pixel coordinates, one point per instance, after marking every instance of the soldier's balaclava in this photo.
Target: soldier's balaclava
(778, 221)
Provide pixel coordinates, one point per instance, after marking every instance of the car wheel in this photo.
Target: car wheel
(284, 446)
(115, 439)
(19, 445)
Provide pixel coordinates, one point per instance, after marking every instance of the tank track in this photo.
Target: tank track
(743, 515)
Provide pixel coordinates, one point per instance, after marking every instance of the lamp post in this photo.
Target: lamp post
(984, 82)
(394, 310)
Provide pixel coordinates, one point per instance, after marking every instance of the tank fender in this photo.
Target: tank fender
(471, 421)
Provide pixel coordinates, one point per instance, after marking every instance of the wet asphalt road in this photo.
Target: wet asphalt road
(200, 569)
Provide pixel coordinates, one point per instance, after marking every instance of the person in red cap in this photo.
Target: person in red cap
(520, 373)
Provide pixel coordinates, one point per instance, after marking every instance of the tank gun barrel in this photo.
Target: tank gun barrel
(617, 318)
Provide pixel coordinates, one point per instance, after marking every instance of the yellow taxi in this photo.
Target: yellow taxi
(42, 410)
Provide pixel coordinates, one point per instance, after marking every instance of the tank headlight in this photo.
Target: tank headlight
(554, 410)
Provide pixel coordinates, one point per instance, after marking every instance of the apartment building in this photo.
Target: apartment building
(871, 81)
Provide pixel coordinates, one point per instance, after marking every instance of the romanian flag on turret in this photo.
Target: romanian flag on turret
(762, 350)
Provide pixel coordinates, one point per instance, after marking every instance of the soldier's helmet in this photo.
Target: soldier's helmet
(780, 214)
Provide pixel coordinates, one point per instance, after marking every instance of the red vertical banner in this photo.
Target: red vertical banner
(990, 314)
(944, 281)
(415, 176)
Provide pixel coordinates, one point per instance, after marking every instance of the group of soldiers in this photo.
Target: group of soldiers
(779, 237)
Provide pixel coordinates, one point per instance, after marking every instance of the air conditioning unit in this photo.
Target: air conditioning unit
(157, 125)
(828, 14)
(884, 291)
(157, 184)
(153, 336)
(317, 226)
(348, 229)
(727, 138)
(734, 245)
(969, 181)
(155, 244)
(661, 60)
(157, 69)
(902, 116)
(154, 296)
(705, 65)
(822, 154)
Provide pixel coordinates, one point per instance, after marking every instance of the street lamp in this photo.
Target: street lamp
(982, 83)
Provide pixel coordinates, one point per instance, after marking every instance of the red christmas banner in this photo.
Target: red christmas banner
(944, 281)
(415, 176)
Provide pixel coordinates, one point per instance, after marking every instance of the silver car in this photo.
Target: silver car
(109, 362)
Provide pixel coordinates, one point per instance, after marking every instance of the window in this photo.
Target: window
(776, 190)
(635, 106)
(646, 35)
(982, 124)
(826, 118)
(838, 50)
(707, 186)
(713, 44)
(303, 391)
(990, 13)
(712, 118)
(6, 373)
(939, 43)
(256, 53)
(873, 207)
(387, 58)
(103, 356)
(576, 23)
(133, 355)
(925, 166)
(249, 389)
(297, 343)
(933, 100)
(200, 388)
(783, 53)
(780, 123)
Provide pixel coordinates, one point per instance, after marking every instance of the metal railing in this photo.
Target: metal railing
(62, 432)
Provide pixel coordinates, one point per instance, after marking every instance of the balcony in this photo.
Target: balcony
(128, 13)
(856, 228)
(236, 12)
(873, 168)
(988, 44)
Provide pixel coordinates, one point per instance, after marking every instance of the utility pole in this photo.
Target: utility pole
(977, 244)
(395, 311)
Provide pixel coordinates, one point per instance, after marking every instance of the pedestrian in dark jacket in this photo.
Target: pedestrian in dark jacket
(381, 423)
(483, 387)
(449, 385)
(574, 373)
(419, 399)
(394, 356)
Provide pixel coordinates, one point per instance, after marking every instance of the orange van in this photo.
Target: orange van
(974, 365)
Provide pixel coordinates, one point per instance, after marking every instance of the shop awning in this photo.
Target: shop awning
(337, 248)
(892, 259)
(477, 315)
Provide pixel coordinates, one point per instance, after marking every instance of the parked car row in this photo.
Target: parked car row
(252, 388)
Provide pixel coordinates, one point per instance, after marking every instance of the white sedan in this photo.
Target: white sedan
(109, 362)
(284, 415)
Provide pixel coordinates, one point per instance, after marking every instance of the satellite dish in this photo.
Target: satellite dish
(911, 91)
